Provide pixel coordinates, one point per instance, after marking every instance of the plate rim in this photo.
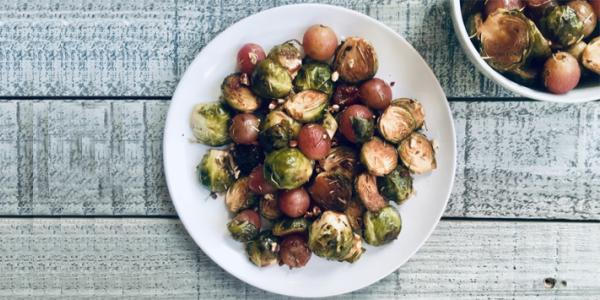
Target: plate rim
(451, 148)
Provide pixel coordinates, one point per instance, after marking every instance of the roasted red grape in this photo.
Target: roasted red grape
(294, 203)
(244, 129)
(376, 94)
(294, 251)
(258, 184)
(313, 141)
(320, 42)
(356, 123)
(249, 55)
(561, 73)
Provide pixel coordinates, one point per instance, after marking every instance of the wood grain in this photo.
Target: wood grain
(141, 48)
(515, 159)
(111, 258)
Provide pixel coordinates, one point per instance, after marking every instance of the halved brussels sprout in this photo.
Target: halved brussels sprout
(414, 107)
(331, 191)
(210, 124)
(396, 123)
(268, 207)
(585, 13)
(287, 168)
(343, 160)
(306, 106)
(417, 153)
(264, 250)
(330, 124)
(277, 130)
(356, 251)
(247, 157)
(379, 157)
(330, 236)
(354, 211)
(289, 55)
(355, 60)
(382, 227)
(237, 95)
(366, 187)
(217, 170)
(239, 196)
(289, 226)
(509, 40)
(244, 226)
(562, 26)
(591, 56)
(314, 76)
(577, 50)
(271, 80)
(396, 186)
(278, 117)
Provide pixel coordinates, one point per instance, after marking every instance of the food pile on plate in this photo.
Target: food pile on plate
(549, 43)
(317, 153)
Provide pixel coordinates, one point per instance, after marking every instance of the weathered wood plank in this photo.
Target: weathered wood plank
(141, 48)
(156, 258)
(515, 159)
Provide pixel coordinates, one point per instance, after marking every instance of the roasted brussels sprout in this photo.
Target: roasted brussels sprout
(247, 157)
(239, 196)
(330, 124)
(355, 60)
(278, 117)
(271, 80)
(396, 186)
(414, 107)
(294, 251)
(354, 211)
(278, 130)
(577, 50)
(396, 123)
(209, 122)
(237, 95)
(382, 227)
(289, 226)
(331, 191)
(585, 13)
(268, 207)
(509, 40)
(245, 226)
(343, 160)
(217, 170)
(263, 251)
(366, 188)
(356, 251)
(562, 26)
(591, 56)
(536, 9)
(330, 236)
(314, 76)
(287, 168)
(306, 106)
(379, 157)
(417, 153)
(289, 55)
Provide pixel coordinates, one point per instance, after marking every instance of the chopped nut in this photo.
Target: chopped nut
(244, 79)
(272, 106)
(280, 101)
(335, 76)
(293, 143)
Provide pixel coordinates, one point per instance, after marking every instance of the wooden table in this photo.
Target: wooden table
(85, 86)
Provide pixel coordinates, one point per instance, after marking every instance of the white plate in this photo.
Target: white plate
(205, 218)
(588, 91)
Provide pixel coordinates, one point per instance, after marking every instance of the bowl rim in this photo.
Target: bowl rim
(473, 55)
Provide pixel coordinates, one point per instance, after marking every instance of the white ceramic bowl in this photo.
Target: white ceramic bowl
(584, 92)
(205, 218)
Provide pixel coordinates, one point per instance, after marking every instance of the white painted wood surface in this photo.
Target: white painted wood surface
(156, 258)
(515, 159)
(141, 48)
